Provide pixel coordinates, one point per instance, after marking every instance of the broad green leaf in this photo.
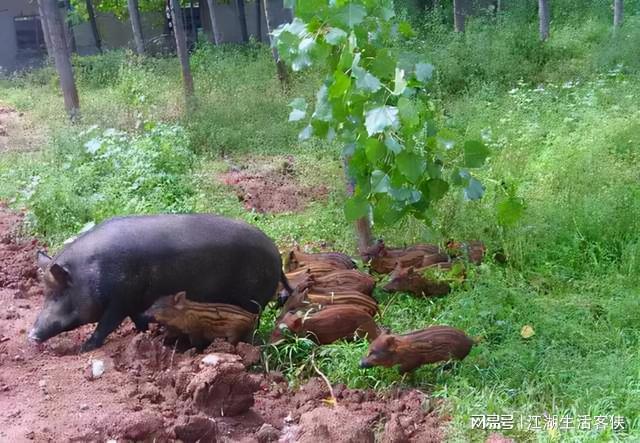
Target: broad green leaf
(411, 165)
(424, 72)
(400, 83)
(381, 118)
(387, 13)
(299, 109)
(340, 86)
(392, 144)
(351, 14)
(383, 64)
(323, 107)
(475, 153)
(408, 112)
(510, 210)
(460, 177)
(355, 208)
(365, 80)
(437, 188)
(306, 133)
(375, 150)
(335, 36)
(385, 211)
(406, 30)
(474, 190)
(379, 182)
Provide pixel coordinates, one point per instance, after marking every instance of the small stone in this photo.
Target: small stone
(97, 368)
(84, 407)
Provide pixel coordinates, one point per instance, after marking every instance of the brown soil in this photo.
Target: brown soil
(272, 189)
(149, 390)
(17, 133)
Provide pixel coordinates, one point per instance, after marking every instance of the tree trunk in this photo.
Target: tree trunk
(242, 19)
(258, 20)
(544, 15)
(68, 29)
(181, 48)
(94, 25)
(281, 68)
(618, 13)
(45, 31)
(362, 225)
(194, 31)
(136, 26)
(61, 56)
(459, 14)
(216, 36)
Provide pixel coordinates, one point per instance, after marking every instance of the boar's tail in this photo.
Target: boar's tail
(286, 292)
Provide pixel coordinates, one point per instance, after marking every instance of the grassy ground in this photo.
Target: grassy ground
(562, 120)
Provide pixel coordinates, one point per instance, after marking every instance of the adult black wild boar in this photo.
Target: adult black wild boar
(121, 266)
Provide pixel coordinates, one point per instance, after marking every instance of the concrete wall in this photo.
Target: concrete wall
(9, 9)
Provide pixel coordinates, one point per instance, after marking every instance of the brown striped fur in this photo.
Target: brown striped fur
(298, 259)
(327, 324)
(300, 299)
(412, 350)
(412, 280)
(203, 322)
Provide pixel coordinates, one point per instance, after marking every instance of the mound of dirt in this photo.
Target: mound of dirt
(136, 387)
(270, 189)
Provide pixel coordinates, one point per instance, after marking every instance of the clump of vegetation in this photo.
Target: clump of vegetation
(95, 174)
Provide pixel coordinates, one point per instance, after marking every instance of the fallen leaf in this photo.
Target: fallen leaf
(527, 331)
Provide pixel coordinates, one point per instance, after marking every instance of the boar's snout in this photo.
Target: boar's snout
(33, 336)
(364, 363)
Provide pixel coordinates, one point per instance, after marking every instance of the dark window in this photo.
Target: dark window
(29, 33)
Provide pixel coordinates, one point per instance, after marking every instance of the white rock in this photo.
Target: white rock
(97, 368)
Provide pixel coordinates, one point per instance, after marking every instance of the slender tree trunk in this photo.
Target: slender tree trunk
(618, 13)
(258, 20)
(281, 68)
(61, 56)
(242, 19)
(216, 36)
(194, 31)
(362, 225)
(459, 14)
(45, 31)
(68, 28)
(181, 48)
(136, 26)
(544, 15)
(94, 25)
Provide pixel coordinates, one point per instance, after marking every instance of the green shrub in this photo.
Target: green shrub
(97, 174)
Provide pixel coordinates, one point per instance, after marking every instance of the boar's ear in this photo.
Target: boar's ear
(390, 342)
(60, 275)
(43, 260)
(179, 297)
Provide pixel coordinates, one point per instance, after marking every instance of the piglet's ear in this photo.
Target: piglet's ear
(390, 342)
(43, 260)
(60, 276)
(180, 297)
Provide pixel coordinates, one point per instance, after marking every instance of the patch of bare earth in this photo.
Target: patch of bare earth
(136, 387)
(272, 188)
(17, 132)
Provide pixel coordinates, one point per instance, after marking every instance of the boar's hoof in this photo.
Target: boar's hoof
(141, 321)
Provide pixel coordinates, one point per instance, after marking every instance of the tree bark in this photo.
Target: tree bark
(136, 26)
(181, 48)
(216, 36)
(68, 29)
(61, 56)
(459, 15)
(242, 19)
(94, 25)
(544, 15)
(194, 31)
(45, 31)
(258, 20)
(281, 68)
(618, 13)
(362, 225)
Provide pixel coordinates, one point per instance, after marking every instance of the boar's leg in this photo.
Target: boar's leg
(108, 323)
(141, 321)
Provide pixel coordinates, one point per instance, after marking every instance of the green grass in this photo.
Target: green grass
(562, 120)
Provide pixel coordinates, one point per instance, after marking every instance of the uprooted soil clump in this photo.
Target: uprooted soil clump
(137, 387)
(272, 189)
